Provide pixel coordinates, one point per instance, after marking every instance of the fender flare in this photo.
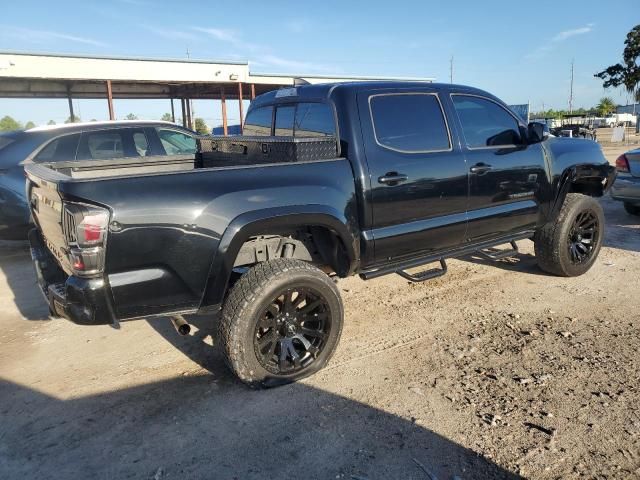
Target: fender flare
(260, 221)
(574, 174)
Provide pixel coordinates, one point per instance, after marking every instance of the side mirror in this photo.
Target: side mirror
(536, 132)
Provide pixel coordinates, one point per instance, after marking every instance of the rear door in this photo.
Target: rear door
(418, 177)
(507, 177)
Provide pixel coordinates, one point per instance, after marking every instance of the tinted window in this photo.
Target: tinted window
(258, 122)
(140, 142)
(409, 122)
(176, 143)
(314, 120)
(101, 145)
(485, 123)
(60, 149)
(284, 120)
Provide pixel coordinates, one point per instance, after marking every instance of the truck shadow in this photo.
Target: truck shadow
(15, 266)
(522, 262)
(193, 427)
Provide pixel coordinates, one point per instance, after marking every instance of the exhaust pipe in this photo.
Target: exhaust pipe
(181, 325)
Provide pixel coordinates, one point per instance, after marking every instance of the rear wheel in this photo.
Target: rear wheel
(631, 208)
(569, 246)
(281, 322)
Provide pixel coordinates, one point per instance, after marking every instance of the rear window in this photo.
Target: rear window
(258, 122)
(284, 120)
(314, 120)
(409, 123)
(60, 149)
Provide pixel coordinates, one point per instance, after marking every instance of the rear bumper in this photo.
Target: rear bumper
(626, 188)
(84, 301)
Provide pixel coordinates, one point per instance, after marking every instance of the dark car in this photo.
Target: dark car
(368, 178)
(76, 141)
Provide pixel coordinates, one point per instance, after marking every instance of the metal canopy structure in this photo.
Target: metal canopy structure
(38, 75)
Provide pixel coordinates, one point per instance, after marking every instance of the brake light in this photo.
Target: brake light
(622, 164)
(92, 227)
(85, 229)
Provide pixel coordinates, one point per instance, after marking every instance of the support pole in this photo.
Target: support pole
(110, 100)
(184, 115)
(241, 108)
(189, 122)
(223, 104)
(173, 112)
(253, 91)
(71, 115)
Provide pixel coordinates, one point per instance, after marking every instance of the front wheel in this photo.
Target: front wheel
(281, 322)
(570, 245)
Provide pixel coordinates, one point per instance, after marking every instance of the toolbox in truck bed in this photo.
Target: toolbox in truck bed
(219, 151)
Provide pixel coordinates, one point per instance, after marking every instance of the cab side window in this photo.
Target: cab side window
(485, 123)
(409, 122)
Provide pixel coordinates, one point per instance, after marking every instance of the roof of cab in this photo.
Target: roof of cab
(324, 90)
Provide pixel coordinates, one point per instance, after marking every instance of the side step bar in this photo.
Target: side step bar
(494, 254)
(426, 274)
(482, 248)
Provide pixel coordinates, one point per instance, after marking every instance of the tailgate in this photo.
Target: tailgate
(45, 204)
(633, 157)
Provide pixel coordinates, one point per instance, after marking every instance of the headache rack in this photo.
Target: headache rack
(220, 151)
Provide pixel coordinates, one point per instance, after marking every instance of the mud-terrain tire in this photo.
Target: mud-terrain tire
(631, 208)
(569, 246)
(280, 322)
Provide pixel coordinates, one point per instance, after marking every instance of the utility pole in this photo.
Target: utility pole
(571, 91)
(451, 70)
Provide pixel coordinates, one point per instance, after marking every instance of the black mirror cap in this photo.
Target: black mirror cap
(536, 132)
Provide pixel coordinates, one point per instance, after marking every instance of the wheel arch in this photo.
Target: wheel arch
(325, 221)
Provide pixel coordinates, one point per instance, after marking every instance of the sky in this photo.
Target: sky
(519, 51)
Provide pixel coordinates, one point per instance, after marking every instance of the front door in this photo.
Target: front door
(418, 178)
(507, 177)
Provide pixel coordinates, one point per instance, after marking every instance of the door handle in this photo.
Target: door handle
(480, 168)
(392, 178)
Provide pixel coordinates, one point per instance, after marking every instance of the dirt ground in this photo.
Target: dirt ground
(494, 371)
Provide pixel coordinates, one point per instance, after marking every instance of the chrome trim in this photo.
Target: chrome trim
(496, 147)
(444, 117)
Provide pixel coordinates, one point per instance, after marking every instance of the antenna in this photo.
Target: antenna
(451, 70)
(571, 91)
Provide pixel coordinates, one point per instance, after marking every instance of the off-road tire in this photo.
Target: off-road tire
(552, 240)
(255, 291)
(631, 208)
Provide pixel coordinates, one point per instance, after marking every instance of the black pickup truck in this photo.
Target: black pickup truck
(419, 173)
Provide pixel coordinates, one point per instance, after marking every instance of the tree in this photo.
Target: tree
(606, 106)
(131, 116)
(74, 119)
(167, 117)
(8, 123)
(626, 74)
(29, 125)
(201, 126)
(51, 122)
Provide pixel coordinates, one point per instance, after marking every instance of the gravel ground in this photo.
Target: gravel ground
(494, 371)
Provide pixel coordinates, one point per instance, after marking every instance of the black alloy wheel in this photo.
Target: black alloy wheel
(583, 236)
(292, 331)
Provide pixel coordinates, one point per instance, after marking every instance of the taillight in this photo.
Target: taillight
(85, 229)
(622, 164)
